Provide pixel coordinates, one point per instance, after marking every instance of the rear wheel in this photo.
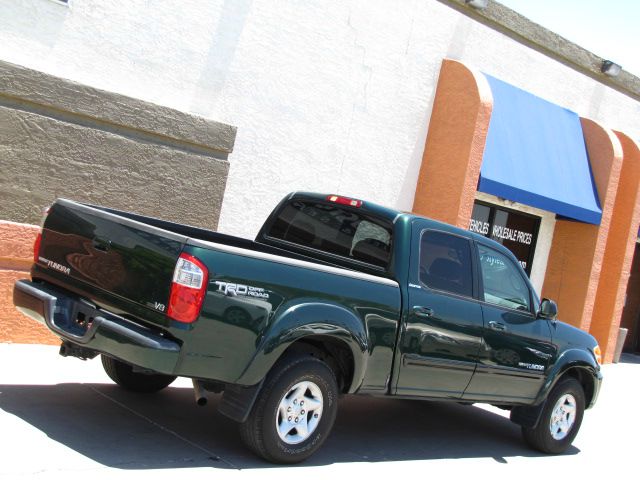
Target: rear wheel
(123, 374)
(560, 419)
(294, 412)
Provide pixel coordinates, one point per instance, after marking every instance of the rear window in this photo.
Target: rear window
(334, 229)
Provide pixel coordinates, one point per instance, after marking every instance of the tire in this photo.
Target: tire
(293, 380)
(551, 435)
(123, 374)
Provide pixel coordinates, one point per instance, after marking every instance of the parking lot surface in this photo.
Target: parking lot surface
(63, 417)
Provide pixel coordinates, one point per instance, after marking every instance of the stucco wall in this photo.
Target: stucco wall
(60, 138)
(16, 256)
(328, 95)
(63, 139)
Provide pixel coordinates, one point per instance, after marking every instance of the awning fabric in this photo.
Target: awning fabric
(535, 154)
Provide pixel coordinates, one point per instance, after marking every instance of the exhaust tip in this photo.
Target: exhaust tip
(199, 393)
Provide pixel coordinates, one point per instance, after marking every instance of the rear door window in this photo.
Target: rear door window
(334, 229)
(445, 263)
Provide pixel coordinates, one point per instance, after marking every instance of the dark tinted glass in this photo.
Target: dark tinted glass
(336, 230)
(515, 230)
(480, 219)
(445, 263)
(517, 233)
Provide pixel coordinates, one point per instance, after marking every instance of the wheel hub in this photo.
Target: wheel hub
(563, 417)
(299, 412)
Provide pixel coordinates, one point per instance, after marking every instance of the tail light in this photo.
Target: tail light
(188, 289)
(36, 244)
(345, 201)
(36, 247)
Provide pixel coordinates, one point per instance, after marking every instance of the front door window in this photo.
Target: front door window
(503, 283)
(517, 348)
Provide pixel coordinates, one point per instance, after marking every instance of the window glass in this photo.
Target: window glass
(502, 281)
(480, 221)
(334, 229)
(515, 230)
(445, 263)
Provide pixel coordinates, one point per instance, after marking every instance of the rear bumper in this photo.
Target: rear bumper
(80, 322)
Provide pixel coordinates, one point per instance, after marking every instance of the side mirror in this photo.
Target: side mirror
(548, 309)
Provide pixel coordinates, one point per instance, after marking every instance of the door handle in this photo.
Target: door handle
(497, 326)
(424, 312)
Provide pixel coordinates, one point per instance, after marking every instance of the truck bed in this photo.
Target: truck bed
(197, 233)
(119, 267)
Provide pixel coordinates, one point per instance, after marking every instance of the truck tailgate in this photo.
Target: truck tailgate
(104, 256)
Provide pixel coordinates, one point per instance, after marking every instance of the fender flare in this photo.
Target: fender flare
(529, 415)
(570, 358)
(305, 319)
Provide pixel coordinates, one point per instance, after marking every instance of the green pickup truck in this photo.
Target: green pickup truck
(335, 296)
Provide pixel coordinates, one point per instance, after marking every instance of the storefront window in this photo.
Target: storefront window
(515, 230)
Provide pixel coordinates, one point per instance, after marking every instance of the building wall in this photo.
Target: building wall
(326, 94)
(587, 266)
(63, 139)
(16, 257)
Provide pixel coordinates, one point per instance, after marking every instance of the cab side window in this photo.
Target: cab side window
(445, 263)
(503, 283)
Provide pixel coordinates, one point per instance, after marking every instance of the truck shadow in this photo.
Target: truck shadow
(167, 430)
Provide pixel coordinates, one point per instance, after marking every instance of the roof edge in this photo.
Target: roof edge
(547, 42)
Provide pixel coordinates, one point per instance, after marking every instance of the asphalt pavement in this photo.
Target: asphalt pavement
(63, 417)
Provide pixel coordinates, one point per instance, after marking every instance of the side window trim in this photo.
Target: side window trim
(478, 287)
(475, 291)
(481, 281)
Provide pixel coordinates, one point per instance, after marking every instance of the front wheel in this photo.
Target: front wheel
(294, 411)
(123, 374)
(560, 419)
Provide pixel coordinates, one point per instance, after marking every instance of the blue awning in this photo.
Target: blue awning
(535, 154)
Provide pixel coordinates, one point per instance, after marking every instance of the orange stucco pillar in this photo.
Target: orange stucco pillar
(16, 257)
(455, 144)
(619, 251)
(577, 249)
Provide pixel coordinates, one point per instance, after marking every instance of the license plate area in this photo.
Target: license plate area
(74, 316)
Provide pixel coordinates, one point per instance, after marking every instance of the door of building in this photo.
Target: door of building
(515, 230)
(631, 312)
